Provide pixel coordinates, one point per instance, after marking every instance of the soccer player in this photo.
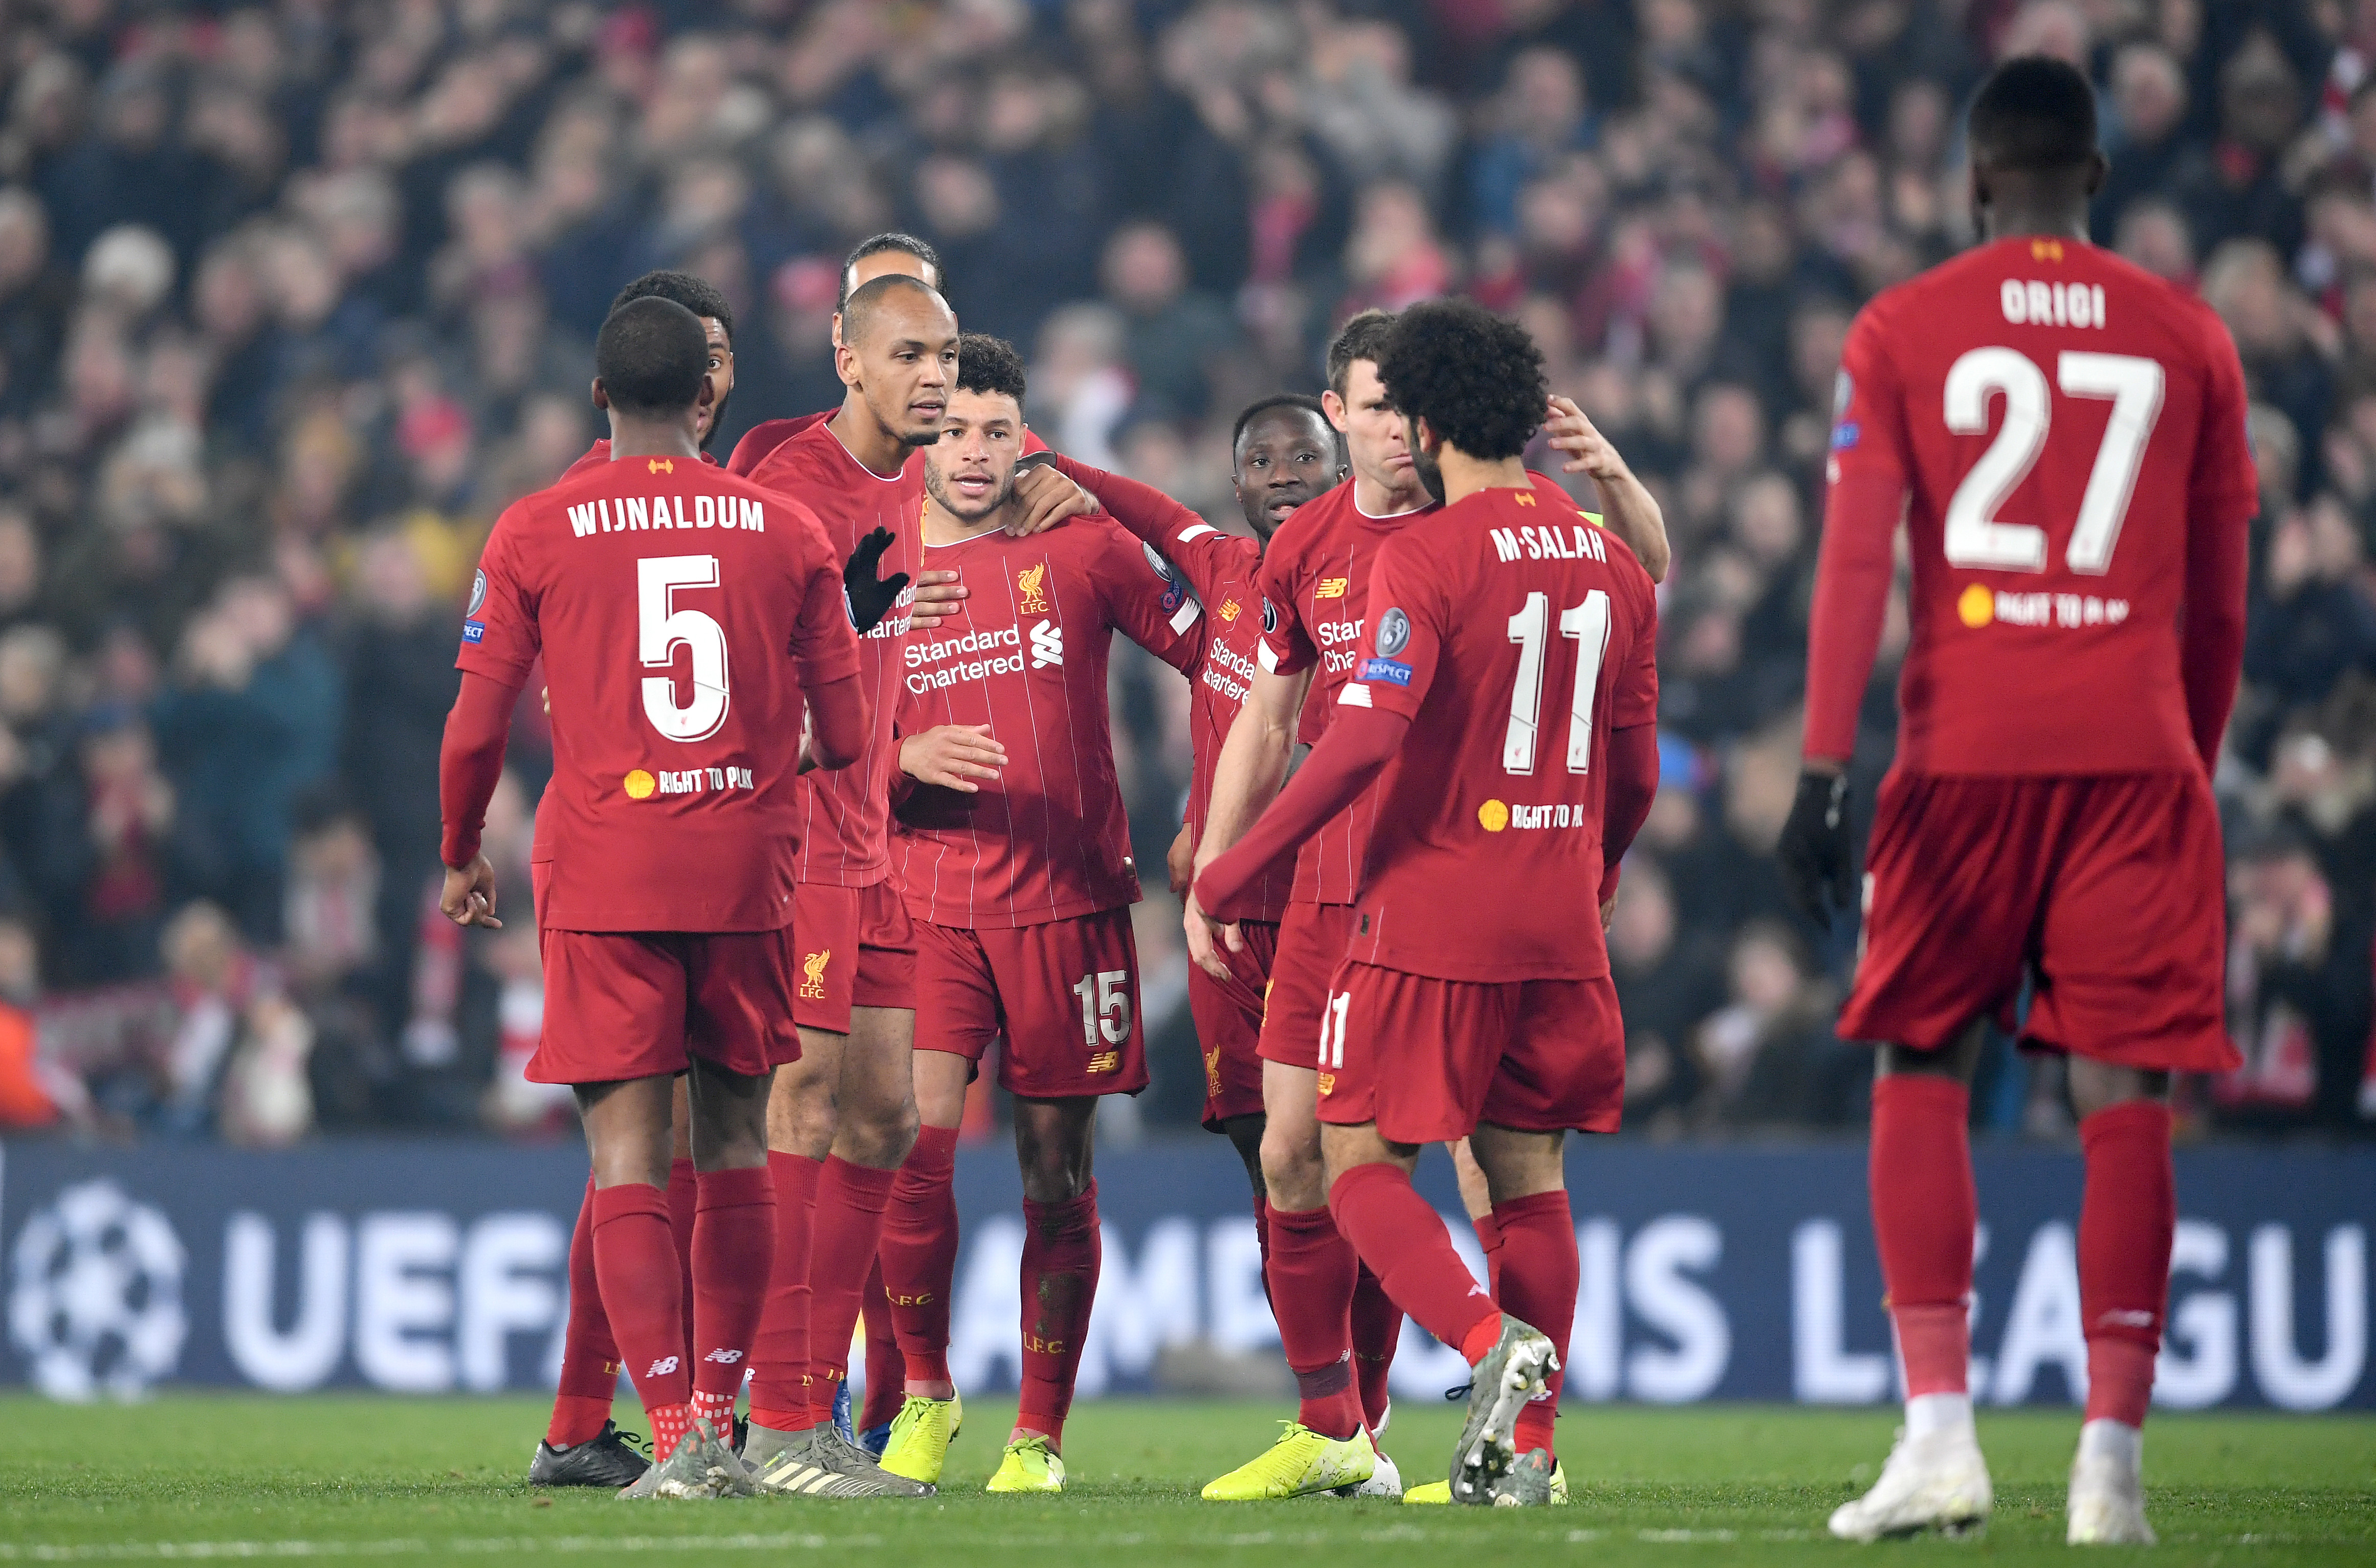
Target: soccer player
(680, 668)
(581, 1446)
(1339, 1328)
(1015, 860)
(2064, 436)
(1502, 700)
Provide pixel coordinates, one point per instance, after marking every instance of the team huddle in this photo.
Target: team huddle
(835, 812)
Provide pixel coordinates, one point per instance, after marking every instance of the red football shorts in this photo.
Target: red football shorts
(886, 949)
(1312, 942)
(1427, 1059)
(632, 1004)
(2107, 891)
(825, 923)
(1229, 1024)
(1062, 995)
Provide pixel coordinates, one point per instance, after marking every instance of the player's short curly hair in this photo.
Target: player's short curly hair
(699, 295)
(1303, 402)
(2034, 112)
(1476, 378)
(989, 366)
(651, 357)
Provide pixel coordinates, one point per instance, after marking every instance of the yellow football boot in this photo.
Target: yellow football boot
(921, 1435)
(1300, 1463)
(1030, 1466)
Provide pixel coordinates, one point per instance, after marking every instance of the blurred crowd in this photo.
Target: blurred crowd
(295, 295)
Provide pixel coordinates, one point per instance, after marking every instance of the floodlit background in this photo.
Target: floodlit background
(296, 296)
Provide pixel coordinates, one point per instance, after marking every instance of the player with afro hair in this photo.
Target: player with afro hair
(1473, 378)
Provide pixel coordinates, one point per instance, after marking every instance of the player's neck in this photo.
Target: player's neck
(633, 437)
(2006, 222)
(945, 526)
(1375, 500)
(1464, 476)
(880, 451)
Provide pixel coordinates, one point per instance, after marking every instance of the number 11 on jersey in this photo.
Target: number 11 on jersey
(1587, 626)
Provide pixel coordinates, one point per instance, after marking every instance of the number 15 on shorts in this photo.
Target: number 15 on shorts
(1105, 1007)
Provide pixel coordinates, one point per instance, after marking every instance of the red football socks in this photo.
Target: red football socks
(1312, 1273)
(850, 1203)
(1377, 1328)
(780, 1353)
(2126, 1220)
(1061, 1252)
(685, 1203)
(1924, 1215)
(1398, 1234)
(919, 1253)
(589, 1359)
(733, 1249)
(886, 1371)
(637, 1268)
(1536, 1285)
(1488, 1241)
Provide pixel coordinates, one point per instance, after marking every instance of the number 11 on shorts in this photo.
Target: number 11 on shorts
(1332, 1029)
(1105, 1007)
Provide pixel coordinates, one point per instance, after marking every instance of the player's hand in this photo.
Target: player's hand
(871, 598)
(1817, 858)
(1045, 496)
(1206, 937)
(953, 755)
(1608, 914)
(468, 898)
(938, 597)
(1588, 451)
(1180, 862)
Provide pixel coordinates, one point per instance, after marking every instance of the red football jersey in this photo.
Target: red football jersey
(845, 817)
(1221, 569)
(1314, 583)
(599, 454)
(1515, 635)
(2065, 427)
(1026, 654)
(677, 662)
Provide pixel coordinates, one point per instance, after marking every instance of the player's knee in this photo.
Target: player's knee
(879, 1136)
(1292, 1172)
(2099, 1086)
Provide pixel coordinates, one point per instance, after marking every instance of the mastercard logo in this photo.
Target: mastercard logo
(639, 784)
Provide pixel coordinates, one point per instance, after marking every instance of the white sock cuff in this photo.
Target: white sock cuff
(1927, 1413)
(2116, 1441)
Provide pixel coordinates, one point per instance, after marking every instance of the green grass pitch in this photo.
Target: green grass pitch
(371, 1478)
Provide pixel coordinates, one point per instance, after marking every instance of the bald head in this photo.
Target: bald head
(891, 302)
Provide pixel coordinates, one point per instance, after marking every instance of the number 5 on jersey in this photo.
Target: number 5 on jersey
(660, 626)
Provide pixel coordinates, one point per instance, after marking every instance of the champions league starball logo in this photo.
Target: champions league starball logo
(95, 1302)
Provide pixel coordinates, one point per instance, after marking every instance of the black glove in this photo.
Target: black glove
(871, 598)
(1816, 854)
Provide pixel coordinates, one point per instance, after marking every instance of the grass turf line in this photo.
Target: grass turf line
(377, 1479)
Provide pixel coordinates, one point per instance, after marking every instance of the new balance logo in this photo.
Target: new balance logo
(723, 1358)
(1047, 644)
(662, 1367)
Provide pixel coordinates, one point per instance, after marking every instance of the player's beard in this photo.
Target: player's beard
(1431, 473)
(716, 418)
(936, 485)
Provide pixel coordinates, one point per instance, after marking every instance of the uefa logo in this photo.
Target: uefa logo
(95, 1297)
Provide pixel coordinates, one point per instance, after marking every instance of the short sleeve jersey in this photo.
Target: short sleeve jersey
(1314, 584)
(1026, 654)
(1515, 635)
(683, 614)
(845, 816)
(2057, 420)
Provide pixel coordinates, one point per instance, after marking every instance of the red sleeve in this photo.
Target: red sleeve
(838, 721)
(2222, 498)
(823, 641)
(1347, 761)
(499, 637)
(1632, 784)
(1870, 460)
(766, 436)
(1149, 601)
(1404, 636)
(1635, 701)
(470, 763)
(1208, 557)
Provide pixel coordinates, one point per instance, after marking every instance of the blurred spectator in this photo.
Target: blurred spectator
(1172, 336)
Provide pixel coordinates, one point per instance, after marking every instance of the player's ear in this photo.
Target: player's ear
(1333, 406)
(601, 398)
(845, 359)
(2099, 168)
